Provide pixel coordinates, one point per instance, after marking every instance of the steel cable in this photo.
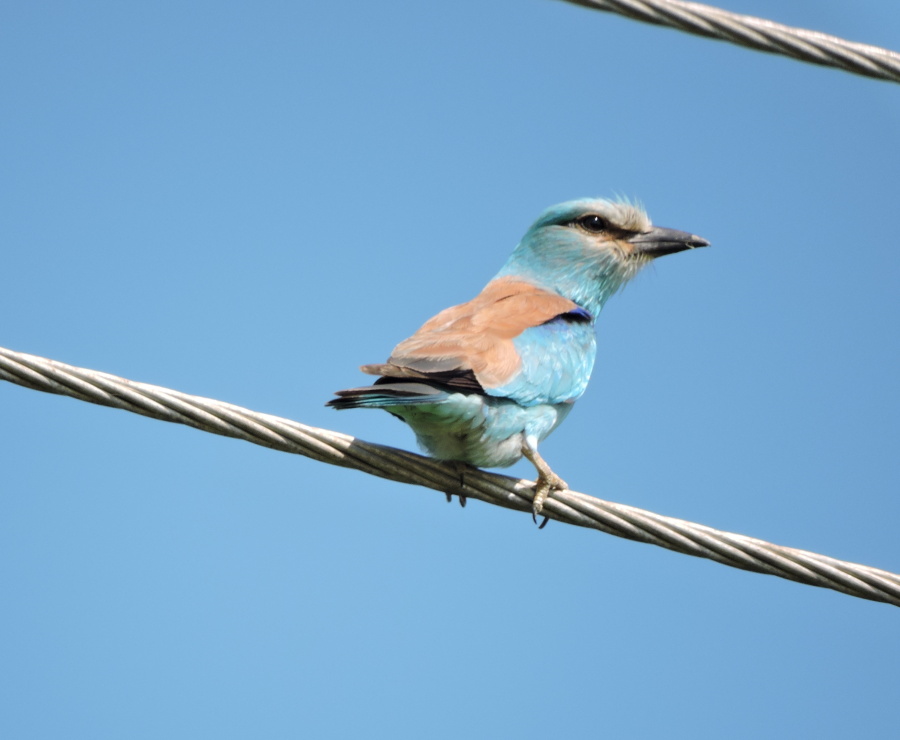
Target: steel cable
(759, 34)
(570, 507)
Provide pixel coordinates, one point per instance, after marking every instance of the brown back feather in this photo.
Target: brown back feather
(470, 345)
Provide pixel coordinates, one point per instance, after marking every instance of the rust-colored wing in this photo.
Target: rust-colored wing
(470, 346)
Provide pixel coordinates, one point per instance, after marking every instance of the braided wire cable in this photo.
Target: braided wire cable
(759, 34)
(570, 507)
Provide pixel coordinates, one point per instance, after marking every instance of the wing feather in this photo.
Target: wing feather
(471, 346)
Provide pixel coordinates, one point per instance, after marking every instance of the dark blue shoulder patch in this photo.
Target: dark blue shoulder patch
(577, 315)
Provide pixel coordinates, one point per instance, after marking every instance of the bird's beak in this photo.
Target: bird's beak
(659, 241)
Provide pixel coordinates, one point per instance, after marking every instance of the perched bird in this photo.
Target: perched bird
(486, 381)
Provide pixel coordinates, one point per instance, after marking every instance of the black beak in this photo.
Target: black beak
(659, 241)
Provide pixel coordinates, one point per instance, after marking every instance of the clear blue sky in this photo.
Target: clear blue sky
(246, 201)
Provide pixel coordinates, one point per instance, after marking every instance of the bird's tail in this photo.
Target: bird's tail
(383, 395)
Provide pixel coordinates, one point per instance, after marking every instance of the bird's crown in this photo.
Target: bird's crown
(621, 215)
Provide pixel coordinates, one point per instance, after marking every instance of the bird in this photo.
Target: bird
(483, 383)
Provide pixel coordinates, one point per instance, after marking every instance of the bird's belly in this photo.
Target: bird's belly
(480, 430)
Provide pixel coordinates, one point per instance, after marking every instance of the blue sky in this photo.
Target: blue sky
(247, 201)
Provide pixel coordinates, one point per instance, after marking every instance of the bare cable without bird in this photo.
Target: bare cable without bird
(759, 34)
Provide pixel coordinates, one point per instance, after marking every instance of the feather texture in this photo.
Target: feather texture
(476, 338)
(486, 381)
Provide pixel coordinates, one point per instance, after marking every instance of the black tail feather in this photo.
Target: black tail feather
(386, 394)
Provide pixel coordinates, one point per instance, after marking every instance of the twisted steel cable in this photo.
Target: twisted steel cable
(759, 34)
(569, 507)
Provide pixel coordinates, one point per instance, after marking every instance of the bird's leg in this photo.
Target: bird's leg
(461, 471)
(546, 483)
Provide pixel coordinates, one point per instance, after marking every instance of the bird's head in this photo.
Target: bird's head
(587, 249)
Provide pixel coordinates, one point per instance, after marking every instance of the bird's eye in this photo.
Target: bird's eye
(593, 223)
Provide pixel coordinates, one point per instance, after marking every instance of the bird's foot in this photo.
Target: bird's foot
(547, 481)
(546, 484)
(461, 472)
(462, 498)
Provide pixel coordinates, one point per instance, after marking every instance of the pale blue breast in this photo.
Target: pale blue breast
(556, 363)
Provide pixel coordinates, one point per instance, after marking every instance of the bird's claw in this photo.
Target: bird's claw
(461, 472)
(543, 487)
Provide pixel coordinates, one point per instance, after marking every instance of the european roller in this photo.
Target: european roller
(486, 381)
